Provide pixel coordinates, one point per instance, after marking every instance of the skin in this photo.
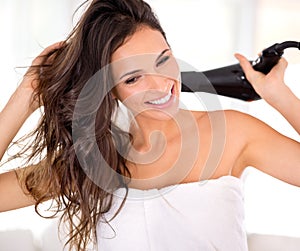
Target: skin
(195, 145)
(258, 144)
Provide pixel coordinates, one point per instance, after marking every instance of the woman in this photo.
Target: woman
(170, 179)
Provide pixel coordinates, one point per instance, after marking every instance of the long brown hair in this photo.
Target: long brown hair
(60, 176)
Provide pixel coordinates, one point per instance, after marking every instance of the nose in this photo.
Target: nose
(159, 83)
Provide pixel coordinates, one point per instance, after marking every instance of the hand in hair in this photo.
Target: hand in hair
(31, 78)
(24, 100)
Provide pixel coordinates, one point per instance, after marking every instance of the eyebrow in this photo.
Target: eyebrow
(161, 54)
(139, 70)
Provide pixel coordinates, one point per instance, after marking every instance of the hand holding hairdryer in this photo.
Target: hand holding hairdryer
(230, 80)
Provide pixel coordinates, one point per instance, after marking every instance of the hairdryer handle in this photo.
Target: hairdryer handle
(268, 59)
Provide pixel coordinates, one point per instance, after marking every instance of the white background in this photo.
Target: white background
(203, 33)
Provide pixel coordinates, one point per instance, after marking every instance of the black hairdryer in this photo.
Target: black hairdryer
(230, 81)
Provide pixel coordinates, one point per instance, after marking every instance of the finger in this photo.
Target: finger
(252, 75)
(245, 64)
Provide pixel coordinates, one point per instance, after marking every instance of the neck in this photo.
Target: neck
(149, 132)
(163, 147)
(151, 138)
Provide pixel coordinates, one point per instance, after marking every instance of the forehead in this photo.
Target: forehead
(144, 41)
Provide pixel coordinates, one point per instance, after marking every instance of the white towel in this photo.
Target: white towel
(206, 215)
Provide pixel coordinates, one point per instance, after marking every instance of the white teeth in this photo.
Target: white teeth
(162, 100)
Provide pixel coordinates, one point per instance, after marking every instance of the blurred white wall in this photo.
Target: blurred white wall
(203, 33)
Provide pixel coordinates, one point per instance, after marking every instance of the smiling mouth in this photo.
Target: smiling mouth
(163, 100)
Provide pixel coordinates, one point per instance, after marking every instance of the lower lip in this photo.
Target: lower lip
(164, 105)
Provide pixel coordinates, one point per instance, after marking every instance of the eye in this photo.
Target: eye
(162, 61)
(132, 80)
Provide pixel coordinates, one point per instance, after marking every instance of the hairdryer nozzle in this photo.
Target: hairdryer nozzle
(227, 81)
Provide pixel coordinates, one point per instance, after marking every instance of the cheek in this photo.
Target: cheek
(132, 98)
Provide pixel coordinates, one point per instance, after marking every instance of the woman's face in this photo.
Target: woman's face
(147, 75)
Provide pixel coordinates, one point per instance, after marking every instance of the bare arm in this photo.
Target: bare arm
(13, 116)
(21, 104)
(12, 196)
(19, 107)
(265, 148)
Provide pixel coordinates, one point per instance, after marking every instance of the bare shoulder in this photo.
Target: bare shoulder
(264, 148)
(249, 141)
(228, 118)
(234, 116)
(235, 131)
(247, 128)
(247, 124)
(235, 124)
